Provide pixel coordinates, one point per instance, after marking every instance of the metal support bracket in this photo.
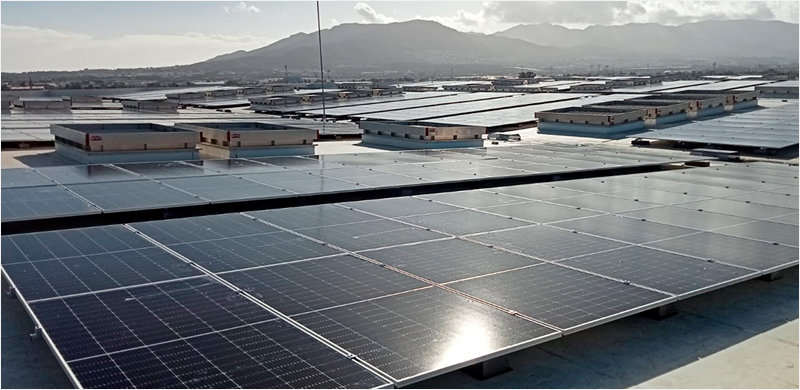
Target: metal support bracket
(662, 312)
(12, 293)
(36, 333)
(489, 368)
(772, 276)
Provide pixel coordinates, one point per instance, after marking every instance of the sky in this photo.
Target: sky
(42, 35)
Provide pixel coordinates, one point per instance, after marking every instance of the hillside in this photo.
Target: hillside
(709, 39)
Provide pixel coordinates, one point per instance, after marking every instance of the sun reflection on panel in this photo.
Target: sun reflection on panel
(472, 338)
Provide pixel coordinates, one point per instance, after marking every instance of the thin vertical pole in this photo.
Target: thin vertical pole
(321, 71)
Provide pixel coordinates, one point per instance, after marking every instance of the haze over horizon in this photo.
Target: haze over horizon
(76, 35)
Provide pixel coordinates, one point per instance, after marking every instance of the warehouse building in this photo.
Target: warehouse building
(251, 139)
(150, 105)
(124, 142)
(412, 135)
(783, 89)
(659, 112)
(591, 121)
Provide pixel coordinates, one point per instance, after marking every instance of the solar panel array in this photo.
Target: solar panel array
(526, 114)
(391, 291)
(469, 107)
(406, 96)
(35, 125)
(770, 128)
(402, 105)
(720, 86)
(39, 193)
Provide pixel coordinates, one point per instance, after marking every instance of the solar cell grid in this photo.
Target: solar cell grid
(251, 251)
(133, 195)
(411, 334)
(315, 216)
(463, 222)
(764, 231)
(225, 188)
(443, 175)
(539, 212)
(739, 209)
(471, 199)
(237, 166)
(657, 196)
(790, 219)
(76, 174)
(604, 203)
(559, 296)
(95, 324)
(189, 230)
(594, 186)
(320, 185)
(318, 284)
(547, 243)
(75, 275)
(369, 235)
(688, 218)
(387, 180)
(769, 199)
(629, 230)
(742, 252)
(449, 260)
(671, 273)
(399, 207)
(162, 170)
(537, 191)
(69, 243)
(24, 203)
(23, 177)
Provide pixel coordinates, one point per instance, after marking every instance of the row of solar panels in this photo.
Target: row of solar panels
(771, 128)
(84, 190)
(392, 291)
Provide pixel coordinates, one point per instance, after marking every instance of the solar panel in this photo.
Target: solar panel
(207, 228)
(739, 209)
(546, 242)
(23, 177)
(790, 219)
(764, 231)
(449, 260)
(688, 218)
(595, 186)
(415, 334)
(189, 334)
(634, 231)
(319, 284)
(91, 259)
(560, 296)
(537, 191)
(463, 222)
(742, 252)
(237, 166)
(605, 203)
(225, 188)
(25, 203)
(399, 207)
(134, 317)
(769, 199)
(539, 212)
(162, 170)
(388, 180)
(76, 174)
(664, 271)
(312, 216)
(133, 195)
(369, 235)
(471, 199)
(657, 196)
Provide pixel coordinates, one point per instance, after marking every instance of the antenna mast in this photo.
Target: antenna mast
(321, 71)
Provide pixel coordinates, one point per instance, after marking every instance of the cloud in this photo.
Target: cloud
(29, 48)
(463, 20)
(620, 12)
(242, 7)
(372, 16)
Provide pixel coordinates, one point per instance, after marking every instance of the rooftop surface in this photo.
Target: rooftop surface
(745, 334)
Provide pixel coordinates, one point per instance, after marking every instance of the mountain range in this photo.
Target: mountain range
(419, 44)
